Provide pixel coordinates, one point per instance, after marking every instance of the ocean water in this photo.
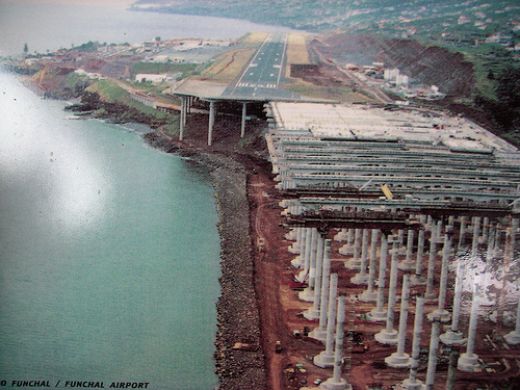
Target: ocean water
(109, 253)
(50, 25)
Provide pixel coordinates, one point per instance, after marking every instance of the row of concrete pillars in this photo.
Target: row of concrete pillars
(363, 246)
(186, 104)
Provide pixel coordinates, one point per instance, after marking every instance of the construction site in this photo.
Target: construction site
(400, 268)
(384, 236)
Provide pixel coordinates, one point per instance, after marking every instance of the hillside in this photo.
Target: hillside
(470, 49)
(446, 20)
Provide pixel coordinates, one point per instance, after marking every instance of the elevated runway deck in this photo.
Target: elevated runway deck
(338, 157)
(260, 81)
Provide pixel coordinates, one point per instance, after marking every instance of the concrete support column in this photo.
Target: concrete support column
(322, 252)
(462, 233)
(430, 293)
(297, 262)
(453, 335)
(326, 358)
(451, 220)
(485, 229)
(468, 361)
(341, 235)
(304, 261)
(429, 223)
(362, 277)
(452, 370)
(432, 356)
(336, 382)
(441, 314)
(490, 242)
(181, 120)
(476, 236)
(514, 229)
(186, 105)
(348, 248)
(291, 235)
(319, 256)
(307, 294)
(211, 122)
(370, 294)
(418, 278)
(243, 122)
(400, 238)
(513, 337)
(320, 333)
(379, 313)
(408, 263)
(355, 262)
(309, 247)
(439, 232)
(295, 247)
(400, 359)
(498, 235)
(388, 335)
(412, 383)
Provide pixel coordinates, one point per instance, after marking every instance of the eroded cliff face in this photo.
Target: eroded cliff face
(430, 65)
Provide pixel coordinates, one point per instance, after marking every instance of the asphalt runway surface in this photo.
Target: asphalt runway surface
(261, 78)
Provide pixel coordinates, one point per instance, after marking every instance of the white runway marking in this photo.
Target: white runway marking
(281, 62)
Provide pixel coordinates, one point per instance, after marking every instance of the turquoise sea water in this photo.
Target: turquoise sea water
(109, 253)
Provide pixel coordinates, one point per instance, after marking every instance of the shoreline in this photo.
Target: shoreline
(240, 354)
(239, 358)
(240, 362)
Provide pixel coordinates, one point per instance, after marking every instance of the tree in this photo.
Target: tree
(25, 48)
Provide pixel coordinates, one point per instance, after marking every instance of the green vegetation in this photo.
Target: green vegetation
(88, 46)
(110, 92)
(162, 67)
(456, 26)
(489, 61)
(75, 80)
(172, 128)
(460, 22)
(505, 108)
(149, 87)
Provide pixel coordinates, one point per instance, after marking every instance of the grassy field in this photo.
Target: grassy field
(229, 65)
(162, 67)
(113, 93)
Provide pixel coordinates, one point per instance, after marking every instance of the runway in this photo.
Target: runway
(261, 78)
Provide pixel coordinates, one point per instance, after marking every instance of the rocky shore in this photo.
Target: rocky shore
(240, 361)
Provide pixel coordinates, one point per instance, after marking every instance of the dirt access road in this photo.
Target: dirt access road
(265, 217)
